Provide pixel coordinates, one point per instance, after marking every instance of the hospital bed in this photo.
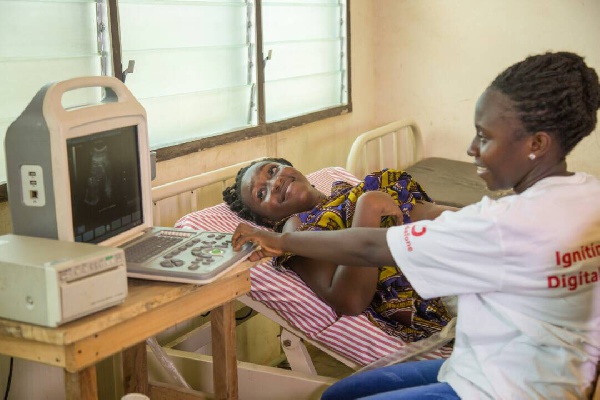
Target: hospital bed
(400, 145)
(286, 300)
(283, 298)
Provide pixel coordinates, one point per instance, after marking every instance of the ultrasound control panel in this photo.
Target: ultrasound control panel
(183, 256)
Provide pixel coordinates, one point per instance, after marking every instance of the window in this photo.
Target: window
(194, 66)
(42, 42)
(306, 67)
(207, 72)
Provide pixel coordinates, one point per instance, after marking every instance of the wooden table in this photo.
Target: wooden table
(150, 308)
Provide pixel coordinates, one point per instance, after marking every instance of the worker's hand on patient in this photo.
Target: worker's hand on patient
(268, 244)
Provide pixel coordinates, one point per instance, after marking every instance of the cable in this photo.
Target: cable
(244, 317)
(10, 369)
(236, 318)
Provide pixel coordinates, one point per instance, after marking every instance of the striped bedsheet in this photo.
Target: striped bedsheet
(284, 292)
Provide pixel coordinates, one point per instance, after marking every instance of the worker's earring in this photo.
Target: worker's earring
(531, 156)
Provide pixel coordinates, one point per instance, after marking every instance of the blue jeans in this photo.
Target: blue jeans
(407, 381)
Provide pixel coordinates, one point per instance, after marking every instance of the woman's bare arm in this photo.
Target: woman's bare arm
(348, 290)
(356, 246)
(372, 206)
(424, 210)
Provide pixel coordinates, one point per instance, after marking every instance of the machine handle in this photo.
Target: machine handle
(116, 91)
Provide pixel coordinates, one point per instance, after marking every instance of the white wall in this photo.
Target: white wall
(434, 58)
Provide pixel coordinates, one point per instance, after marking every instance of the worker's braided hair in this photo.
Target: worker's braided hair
(233, 196)
(553, 92)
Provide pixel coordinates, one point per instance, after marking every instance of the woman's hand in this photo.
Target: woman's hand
(267, 243)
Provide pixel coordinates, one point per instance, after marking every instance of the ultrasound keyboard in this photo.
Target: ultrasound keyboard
(178, 255)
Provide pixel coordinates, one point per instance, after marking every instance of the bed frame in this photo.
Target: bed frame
(397, 145)
(400, 145)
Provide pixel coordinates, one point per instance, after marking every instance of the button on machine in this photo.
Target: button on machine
(199, 258)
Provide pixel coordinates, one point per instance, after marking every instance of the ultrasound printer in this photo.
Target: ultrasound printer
(49, 282)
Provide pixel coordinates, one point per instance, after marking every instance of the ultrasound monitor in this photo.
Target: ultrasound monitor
(83, 174)
(105, 187)
(80, 173)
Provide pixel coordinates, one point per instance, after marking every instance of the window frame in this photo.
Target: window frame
(262, 128)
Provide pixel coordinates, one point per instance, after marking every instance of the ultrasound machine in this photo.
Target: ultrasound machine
(83, 174)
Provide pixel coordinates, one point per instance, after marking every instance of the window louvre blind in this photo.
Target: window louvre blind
(45, 41)
(195, 60)
(193, 66)
(306, 70)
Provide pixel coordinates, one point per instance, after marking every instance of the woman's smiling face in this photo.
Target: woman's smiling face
(501, 144)
(275, 191)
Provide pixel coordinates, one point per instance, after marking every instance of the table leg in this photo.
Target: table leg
(135, 369)
(81, 385)
(224, 352)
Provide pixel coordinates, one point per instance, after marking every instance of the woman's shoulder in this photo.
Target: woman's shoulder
(553, 196)
(586, 178)
(572, 185)
(291, 224)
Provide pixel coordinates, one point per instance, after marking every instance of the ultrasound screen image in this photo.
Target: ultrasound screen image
(105, 184)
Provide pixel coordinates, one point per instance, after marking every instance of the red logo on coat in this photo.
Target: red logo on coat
(416, 232)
